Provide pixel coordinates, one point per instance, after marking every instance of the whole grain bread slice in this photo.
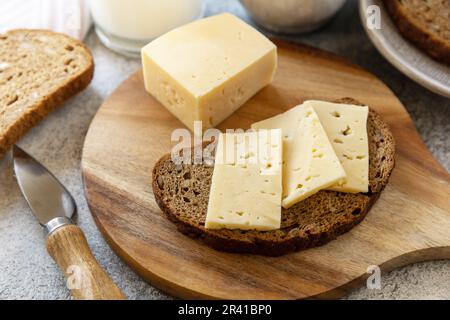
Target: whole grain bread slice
(425, 23)
(39, 70)
(182, 193)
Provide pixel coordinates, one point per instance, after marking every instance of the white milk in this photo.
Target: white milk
(143, 20)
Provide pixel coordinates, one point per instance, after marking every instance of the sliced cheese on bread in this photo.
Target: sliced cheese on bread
(246, 184)
(346, 128)
(312, 222)
(309, 161)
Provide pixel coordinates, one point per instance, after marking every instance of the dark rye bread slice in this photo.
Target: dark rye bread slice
(182, 193)
(39, 70)
(426, 23)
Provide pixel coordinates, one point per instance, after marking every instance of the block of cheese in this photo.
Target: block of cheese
(346, 127)
(310, 163)
(246, 184)
(206, 70)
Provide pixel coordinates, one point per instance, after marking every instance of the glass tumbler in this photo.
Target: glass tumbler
(126, 26)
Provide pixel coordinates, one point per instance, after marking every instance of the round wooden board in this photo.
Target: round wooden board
(410, 222)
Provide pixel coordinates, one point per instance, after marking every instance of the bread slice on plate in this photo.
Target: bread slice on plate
(39, 70)
(182, 193)
(425, 23)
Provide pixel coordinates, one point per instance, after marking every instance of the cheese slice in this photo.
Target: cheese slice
(246, 184)
(310, 163)
(206, 70)
(346, 128)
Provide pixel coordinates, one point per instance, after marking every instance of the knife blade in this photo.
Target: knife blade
(54, 207)
(46, 196)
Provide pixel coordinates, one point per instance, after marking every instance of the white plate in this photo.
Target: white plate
(403, 55)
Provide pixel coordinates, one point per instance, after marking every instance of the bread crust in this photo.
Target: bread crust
(437, 47)
(53, 99)
(292, 237)
(302, 241)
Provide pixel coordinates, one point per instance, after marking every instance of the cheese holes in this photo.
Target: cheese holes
(248, 155)
(338, 141)
(318, 155)
(347, 131)
(348, 157)
(336, 114)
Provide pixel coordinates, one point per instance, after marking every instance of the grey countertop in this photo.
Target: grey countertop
(26, 270)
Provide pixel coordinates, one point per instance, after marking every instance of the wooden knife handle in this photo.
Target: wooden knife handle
(85, 277)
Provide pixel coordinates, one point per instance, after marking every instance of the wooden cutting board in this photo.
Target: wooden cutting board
(409, 223)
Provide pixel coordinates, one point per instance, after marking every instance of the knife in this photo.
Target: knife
(54, 207)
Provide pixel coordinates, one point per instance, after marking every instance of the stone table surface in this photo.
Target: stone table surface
(26, 270)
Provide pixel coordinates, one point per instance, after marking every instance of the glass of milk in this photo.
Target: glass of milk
(126, 26)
